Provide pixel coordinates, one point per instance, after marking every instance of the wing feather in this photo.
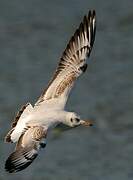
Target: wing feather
(73, 61)
(26, 149)
(22, 113)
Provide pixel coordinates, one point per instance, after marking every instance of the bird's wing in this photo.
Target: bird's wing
(26, 149)
(72, 63)
(22, 113)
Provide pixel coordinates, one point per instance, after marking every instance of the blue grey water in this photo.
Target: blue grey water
(33, 35)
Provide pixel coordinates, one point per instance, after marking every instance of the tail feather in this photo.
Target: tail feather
(20, 159)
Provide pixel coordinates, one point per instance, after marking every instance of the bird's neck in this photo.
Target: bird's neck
(64, 117)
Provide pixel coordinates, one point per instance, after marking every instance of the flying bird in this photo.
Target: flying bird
(32, 123)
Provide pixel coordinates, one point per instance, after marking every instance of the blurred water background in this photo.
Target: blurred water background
(33, 35)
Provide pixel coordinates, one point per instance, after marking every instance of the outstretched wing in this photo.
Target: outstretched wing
(26, 149)
(72, 63)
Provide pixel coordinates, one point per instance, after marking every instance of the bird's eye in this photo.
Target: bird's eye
(71, 120)
(77, 119)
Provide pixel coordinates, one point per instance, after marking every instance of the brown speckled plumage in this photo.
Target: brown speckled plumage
(74, 56)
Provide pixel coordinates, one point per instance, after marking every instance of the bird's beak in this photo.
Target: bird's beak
(86, 123)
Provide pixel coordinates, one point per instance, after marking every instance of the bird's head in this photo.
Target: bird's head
(73, 120)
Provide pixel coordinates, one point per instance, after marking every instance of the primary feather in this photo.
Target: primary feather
(72, 63)
(26, 149)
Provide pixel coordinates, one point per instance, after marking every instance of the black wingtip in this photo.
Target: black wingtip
(92, 21)
(18, 161)
(94, 16)
(89, 14)
(9, 166)
(94, 12)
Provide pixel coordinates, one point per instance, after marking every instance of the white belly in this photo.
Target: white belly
(49, 119)
(45, 118)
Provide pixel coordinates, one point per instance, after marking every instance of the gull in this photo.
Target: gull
(32, 123)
